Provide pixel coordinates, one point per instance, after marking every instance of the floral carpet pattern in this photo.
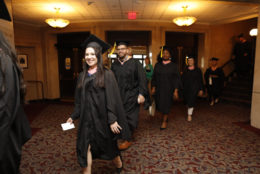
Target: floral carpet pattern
(210, 144)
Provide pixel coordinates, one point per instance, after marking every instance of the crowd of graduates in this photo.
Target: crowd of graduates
(107, 100)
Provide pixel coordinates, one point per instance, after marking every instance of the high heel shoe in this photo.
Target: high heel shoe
(119, 170)
(164, 125)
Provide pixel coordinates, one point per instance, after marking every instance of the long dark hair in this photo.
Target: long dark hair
(99, 80)
(7, 51)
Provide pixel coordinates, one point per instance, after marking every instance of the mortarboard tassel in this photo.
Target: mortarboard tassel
(113, 50)
(161, 51)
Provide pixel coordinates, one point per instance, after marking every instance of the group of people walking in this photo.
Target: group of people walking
(107, 102)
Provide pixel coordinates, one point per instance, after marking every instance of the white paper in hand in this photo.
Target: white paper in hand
(67, 126)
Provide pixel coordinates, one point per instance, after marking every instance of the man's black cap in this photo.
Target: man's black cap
(122, 42)
(214, 58)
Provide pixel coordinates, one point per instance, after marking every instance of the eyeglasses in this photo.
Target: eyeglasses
(121, 49)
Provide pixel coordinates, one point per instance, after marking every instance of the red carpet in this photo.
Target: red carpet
(209, 144)
(246, 125)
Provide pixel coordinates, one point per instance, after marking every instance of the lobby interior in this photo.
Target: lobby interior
(220, 139)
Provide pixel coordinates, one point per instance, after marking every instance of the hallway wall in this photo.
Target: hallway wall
(223, 38)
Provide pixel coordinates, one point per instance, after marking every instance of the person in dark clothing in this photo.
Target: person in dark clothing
(242, 55)
(131, 80)
(15, 129)
(214, 77)
(165, 84)
(99, 107)
(192, 85)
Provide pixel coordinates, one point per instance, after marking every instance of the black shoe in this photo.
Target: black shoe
(164, 122)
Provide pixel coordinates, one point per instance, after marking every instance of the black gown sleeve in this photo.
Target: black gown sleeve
(6, 116)
(113, 99)
(114, 104)
(76, 113)
(206, 76)
(178, 82)
(143, 90)
(153, 82)
(201, 85)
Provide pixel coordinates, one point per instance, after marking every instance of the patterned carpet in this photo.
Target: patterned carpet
(210, 144)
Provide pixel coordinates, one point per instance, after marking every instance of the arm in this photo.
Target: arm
(76, 113)
(8, 99)
(206, 76)
(143, 90)
(153, 82)
(115, 109)
(200, 80)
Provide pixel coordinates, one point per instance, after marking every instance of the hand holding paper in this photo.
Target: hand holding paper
(67, 126)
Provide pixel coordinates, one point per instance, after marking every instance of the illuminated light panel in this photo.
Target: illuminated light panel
(132, 15)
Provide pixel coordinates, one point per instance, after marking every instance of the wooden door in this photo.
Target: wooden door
(70, 56)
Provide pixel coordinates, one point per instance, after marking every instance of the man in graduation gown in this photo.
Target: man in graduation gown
(132, 84)
(214, 77)
(14, 126)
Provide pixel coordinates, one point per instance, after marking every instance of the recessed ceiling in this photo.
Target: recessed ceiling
(206, 11)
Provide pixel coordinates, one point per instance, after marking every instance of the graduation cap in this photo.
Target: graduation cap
(122, 42)
(4, 14)
(188, 57)
(94, 41)
(214, 58)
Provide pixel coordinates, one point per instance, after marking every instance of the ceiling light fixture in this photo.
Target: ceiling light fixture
(184, 20)
(57, 22)
(253, 32)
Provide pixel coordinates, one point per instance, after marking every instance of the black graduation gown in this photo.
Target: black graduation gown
(14, 125)
(242, 52)
(166, 79)
(97, 108)
(131, 81)
(215, 89)
(192, 83)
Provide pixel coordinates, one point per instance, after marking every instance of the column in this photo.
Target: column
(255, 108)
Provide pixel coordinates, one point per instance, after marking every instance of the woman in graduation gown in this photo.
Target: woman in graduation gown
(165, 83)
(14, 125)
(214, 77)
(99, 108)
(192, 85)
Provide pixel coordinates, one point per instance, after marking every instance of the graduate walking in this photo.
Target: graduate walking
(99, 108)
(214, 77)
(192, 85)
(131, 80)
(166, 82)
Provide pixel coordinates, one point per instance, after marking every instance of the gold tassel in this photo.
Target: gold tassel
(113, 50)
(161, 51)
(186, 60)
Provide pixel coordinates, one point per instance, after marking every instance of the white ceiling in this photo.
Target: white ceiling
(206, 11)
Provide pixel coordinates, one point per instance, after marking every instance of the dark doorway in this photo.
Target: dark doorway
(71, 56)
(139, 42)
(182, 44)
